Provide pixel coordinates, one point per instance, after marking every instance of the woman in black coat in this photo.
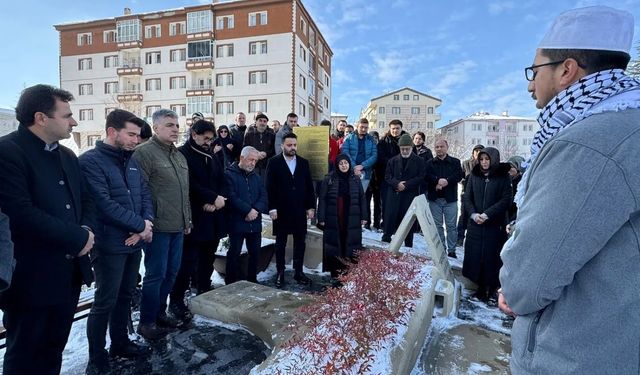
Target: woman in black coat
(224, 148)
(342, 209)
(487, 199)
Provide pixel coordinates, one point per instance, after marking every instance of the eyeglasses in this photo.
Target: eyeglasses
(530, 74)
(223, 131)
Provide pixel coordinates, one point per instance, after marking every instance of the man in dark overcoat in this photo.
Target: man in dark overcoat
(44, 194)
(403, 175)
(291, 201)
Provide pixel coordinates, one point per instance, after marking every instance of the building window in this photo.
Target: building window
(396, 97)
(153, 84)
(258, 77)
(416, 97)
(177, 83)
(177, 28)
(198, 22)
(109, 36)
(303, 53)
(415, 124)
(258, 105)
(111, 87)
(111, 61)
(224, 79)
(151, 109)
(180, 109)
(199, 51)
(380, 124)
(152, 31)
(326, 79)
(202, 104)
(92, 139)
(303, 26)
(153, 58)
(129, 30)
(85, 89)
(257, 18)
(430, 110)
(430, 125)
(224, 50)
(223, 22)
(258, 47)
(302, 82)
(302, 109)
(86, 114)
(177, 55)
(395, 110)
(381, 110)
(85, 39)
(405, 97)
(224, 108)
(530, 127)
(108, 110)
(415, 110)
(326, 103)
(85, 64)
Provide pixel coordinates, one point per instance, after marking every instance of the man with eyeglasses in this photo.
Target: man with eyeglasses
(575, 243)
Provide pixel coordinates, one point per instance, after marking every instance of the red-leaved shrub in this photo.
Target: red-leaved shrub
(343, 327)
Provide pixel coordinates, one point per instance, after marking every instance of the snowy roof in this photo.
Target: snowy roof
(335, 114)
(7, 112)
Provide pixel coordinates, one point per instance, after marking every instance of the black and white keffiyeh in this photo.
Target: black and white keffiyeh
(576, 103)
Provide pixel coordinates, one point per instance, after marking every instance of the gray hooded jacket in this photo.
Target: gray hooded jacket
(572, 267)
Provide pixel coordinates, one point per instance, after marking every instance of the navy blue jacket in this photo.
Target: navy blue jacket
(121, 196)
(244, 191)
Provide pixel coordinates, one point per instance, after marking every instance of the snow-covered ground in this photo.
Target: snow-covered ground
(191, 350)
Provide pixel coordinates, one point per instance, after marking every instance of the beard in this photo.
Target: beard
(291, 152)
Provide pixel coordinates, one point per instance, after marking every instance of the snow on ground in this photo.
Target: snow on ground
(191, 350)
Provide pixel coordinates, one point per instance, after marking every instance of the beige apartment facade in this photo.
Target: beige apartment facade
(217, 59)
(415, 109)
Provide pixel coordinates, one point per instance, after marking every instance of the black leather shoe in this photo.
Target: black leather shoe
(166, 321)
(129, 350)
(181, 312)
(280, 280)
(301, 278)
(151, 332)
(452, 254)
(98, 365)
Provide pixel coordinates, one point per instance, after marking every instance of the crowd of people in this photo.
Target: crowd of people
(545, 238)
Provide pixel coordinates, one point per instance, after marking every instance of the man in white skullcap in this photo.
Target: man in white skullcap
(571, 273)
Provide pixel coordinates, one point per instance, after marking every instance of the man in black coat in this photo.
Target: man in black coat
(291, 201)
(6, 253)
(125, 215)
(387, 148)
(404, 175)
(262, 138)
(207, 202)
(443, 174)
(45, 196)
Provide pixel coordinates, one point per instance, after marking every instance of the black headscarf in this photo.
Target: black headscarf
(343, 177)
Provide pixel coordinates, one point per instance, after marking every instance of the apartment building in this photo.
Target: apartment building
(218, 59)
(415, 109)
(511, 135)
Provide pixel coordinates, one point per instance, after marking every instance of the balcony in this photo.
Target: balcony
(200, 35)
(130, 44)
(130, 95)
(200, 90)
(200, 63)
(130, 67)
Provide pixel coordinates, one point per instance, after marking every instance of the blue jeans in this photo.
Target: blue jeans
(440, 209)
(162, 262)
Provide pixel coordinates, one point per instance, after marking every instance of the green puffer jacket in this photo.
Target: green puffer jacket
(167, 174)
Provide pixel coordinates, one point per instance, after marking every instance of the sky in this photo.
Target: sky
(468, 53)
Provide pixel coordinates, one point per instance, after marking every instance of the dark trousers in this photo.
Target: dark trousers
(232, 272)
(377, 209)
(116, 278)
(161, 262)
(299, 246)
(463, 219)
(397, 206)
(196, 268)
(37, 335)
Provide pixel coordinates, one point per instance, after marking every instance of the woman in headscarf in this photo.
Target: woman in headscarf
(224, 147)
(342, 210)
(487, 199)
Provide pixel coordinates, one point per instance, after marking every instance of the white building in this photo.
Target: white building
(218, 59)
(8, 122)
(511, 135)
(415, 109)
